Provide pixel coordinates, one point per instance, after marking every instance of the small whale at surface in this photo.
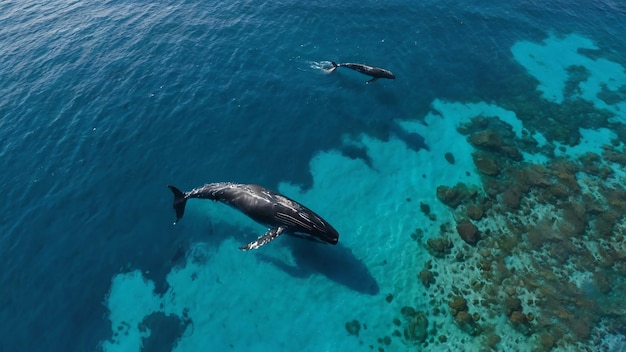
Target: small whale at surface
(374, 72)
(281, 214)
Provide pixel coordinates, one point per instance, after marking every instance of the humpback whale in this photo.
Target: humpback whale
(279, 213)
(374, 72)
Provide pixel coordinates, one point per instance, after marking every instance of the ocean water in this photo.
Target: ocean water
(103, 104)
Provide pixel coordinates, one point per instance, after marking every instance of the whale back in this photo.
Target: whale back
(269, 208)
(375, 72)
(273, 209)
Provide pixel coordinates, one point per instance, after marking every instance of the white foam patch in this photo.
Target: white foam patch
(548, 63)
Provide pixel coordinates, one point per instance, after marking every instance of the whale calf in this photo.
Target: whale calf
(283, 215)
(374, 72)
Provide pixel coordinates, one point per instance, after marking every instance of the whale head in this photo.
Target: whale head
(327, 235)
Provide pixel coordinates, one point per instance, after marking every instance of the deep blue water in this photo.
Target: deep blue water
(104, 104)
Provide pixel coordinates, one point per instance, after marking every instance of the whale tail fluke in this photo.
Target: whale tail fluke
(333, 68)
(179, 202)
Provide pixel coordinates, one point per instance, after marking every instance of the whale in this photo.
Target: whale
(281, 214)
(374, 72)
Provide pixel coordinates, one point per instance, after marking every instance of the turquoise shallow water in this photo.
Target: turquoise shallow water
(102, 105)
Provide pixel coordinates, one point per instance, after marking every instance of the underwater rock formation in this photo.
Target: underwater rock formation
(552, 240)
(458, 304)
(485, 164)
(453, 196)
(462, 317)
(439, 247)
(511, 198)
(490, 140)
(353, 327)
(426, 278)
(474, 212)
(416, 325)
(449, 158)
(468, 232)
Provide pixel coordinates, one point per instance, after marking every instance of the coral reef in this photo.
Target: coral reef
(491, 141)
(453, 196)
(439, 247)
(540, 246)
(468, 232)
(466, 321)
(474, 212)
(485, 164)
(415, 325)
(449, 158)
(426, 278)
(353, 327)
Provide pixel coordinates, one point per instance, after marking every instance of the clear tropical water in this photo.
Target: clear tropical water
(103, 104)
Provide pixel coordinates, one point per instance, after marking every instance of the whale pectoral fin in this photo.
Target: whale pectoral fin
(372, 80)
(270, 235)
(179, 202)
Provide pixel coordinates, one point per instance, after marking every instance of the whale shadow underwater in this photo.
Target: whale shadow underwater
(284, 215)
(337, 263)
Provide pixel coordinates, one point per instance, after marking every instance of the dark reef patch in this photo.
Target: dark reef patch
(551, 234)
(449, 158)
(453, 196)
(353, 327)
(468, 232)
(165, 330)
